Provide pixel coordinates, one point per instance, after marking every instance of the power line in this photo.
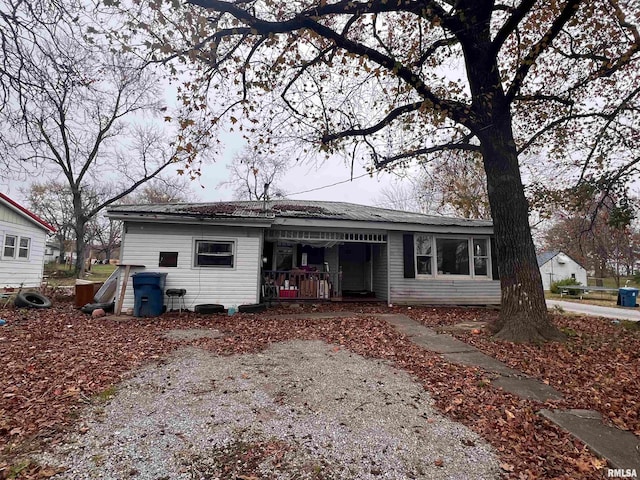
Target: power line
(327, 186)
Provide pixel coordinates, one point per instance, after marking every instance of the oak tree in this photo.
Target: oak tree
(394, 81)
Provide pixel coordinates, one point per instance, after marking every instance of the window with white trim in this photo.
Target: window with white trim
(10, 243)
(444, 256)
(481, 257)
(209, 253)
(24, 247)
(423, 248)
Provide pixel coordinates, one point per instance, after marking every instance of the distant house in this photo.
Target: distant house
(557, 265)
(52, 252)
(23, 236)
(235, 253)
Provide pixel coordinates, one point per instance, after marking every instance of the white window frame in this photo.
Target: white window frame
(434, 257)
(227, 241)
(416, 255)
(473, 256)
(20, 248)
(14, 246)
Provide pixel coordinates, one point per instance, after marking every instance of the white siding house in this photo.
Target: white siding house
(154, 246)
(236, 253)
(22, 245)
(556, 265)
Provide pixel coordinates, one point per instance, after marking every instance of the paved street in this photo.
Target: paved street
(632, 314)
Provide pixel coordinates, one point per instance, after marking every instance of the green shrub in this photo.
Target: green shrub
(557, 287)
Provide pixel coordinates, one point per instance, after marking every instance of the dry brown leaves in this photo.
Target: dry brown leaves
(58, 359)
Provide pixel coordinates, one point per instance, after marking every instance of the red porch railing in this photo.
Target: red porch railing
(301, 284)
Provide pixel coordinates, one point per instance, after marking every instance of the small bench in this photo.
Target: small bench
(564, 290)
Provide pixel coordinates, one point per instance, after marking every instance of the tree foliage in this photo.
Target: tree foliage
(597, 238)
(394, 81)
(79, 110)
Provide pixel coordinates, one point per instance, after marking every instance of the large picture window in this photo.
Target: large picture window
(453, 256)
(214, 254)
(435, 256)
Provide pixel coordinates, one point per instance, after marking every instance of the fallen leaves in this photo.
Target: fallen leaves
(51, 370)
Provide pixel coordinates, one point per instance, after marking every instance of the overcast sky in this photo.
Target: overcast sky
(301, 178)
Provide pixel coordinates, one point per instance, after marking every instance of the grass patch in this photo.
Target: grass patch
(61, 275)
(106, 395)
(629, 325)
(17, 469)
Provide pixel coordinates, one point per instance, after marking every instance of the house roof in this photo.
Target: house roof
(15, 206)
(289, 209)
(544, 257)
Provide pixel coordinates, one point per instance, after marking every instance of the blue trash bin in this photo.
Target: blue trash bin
(148, 291)
(149, 278)
(628, 296)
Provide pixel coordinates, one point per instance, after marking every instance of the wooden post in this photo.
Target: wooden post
(123, 288)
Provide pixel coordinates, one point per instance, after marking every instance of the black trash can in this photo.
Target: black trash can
(148, 291)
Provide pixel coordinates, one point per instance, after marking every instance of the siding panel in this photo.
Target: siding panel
(227, 286)
(380, 271)
(435, 291)
(25, 272)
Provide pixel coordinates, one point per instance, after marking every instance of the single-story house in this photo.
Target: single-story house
(23, 236)
(556, 265)
(235, 253)
(52, 252)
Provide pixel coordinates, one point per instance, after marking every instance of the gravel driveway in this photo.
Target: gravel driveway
(299, 410)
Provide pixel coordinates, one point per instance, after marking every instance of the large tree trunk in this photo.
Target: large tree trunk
(80, 230)
(523, 316)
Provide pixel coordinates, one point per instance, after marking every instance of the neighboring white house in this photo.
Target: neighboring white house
(23, 236)
(52, 252)
(235, 253)
(557, 265)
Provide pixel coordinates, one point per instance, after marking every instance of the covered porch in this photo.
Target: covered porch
(324, 265)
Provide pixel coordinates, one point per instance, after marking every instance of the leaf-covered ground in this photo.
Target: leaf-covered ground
(57, 360)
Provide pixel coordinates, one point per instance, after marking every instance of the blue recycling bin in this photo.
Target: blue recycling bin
(148, 291)
(628, 296)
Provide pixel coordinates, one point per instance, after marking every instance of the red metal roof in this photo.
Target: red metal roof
(26, 212)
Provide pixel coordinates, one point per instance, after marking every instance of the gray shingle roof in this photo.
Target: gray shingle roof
(293, 209)
(544, 257)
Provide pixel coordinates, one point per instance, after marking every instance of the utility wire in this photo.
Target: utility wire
(327, 186)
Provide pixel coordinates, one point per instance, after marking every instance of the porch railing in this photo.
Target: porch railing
(292, 284)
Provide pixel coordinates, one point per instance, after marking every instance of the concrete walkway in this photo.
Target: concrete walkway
(632, 314)
(621, 449)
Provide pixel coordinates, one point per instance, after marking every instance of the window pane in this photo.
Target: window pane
(213, 254)
(423, 245)
(453, 256)
(168, 259)
(216, 261)
(480, 248)
(24, 242)
(9, 246)
(480, 266)
(215, 248)
(424, 265)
